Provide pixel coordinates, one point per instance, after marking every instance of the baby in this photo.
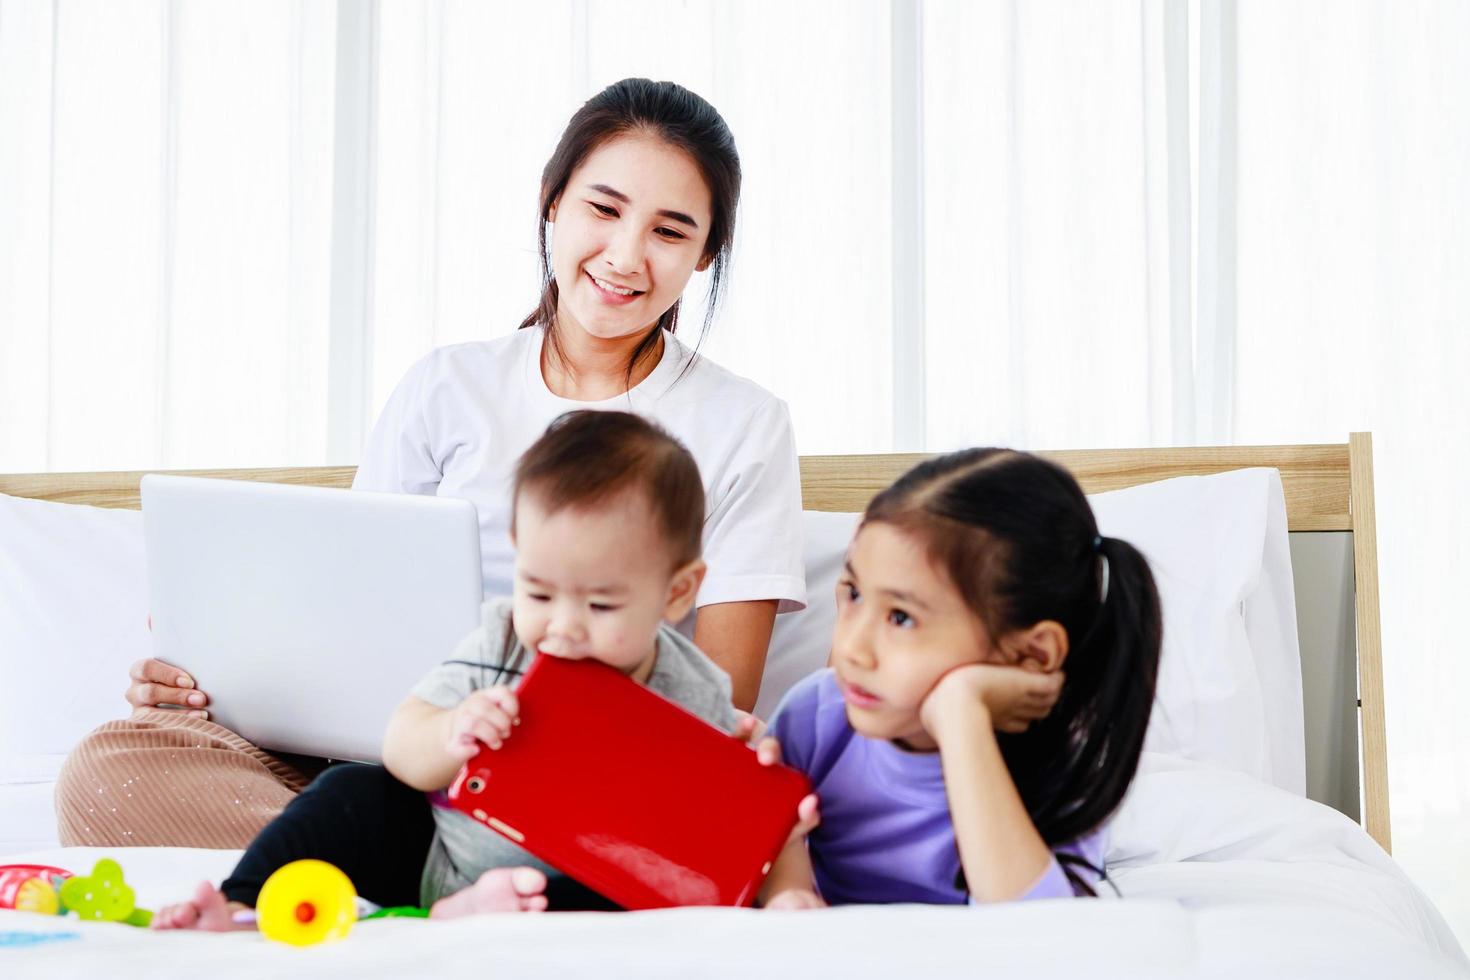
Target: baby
(607, 516)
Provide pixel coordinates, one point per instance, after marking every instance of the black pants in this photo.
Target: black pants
(376, 830)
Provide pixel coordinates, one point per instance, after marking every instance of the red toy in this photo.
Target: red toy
(32, 887)
(629, 793)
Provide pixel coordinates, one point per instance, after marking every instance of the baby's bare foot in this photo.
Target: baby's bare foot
(208, 910)
(498, 890)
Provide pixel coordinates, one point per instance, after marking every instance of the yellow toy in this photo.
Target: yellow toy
(306, 902)
(38, 895)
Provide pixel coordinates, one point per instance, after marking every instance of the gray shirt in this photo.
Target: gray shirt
(464, 849)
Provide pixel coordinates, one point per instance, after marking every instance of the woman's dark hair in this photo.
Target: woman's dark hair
(586, 457)
(678, 117)
(1016, 536)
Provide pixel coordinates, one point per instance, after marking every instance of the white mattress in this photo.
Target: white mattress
(1274, 932)
(1223, 877)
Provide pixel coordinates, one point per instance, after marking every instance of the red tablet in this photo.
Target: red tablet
(629, 793)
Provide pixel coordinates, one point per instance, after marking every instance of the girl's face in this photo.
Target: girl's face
(594, 582)
(630, 231)
(901, 626)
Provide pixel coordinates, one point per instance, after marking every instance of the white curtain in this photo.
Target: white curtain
(469, 111)
(226, 229)
(1352, 300)
(165, 174)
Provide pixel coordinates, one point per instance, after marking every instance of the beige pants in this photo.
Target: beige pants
(162, 778)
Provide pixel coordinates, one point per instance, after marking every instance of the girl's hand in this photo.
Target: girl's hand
(748, 728)
(795, 898)
(1011, 697)
(808, 817)
(487, 716)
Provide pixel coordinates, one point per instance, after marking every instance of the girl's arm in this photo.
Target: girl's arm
(425, 745)
(791, 883)
(1001, 851)
(735, 635)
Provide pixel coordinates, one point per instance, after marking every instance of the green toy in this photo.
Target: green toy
(103, 896)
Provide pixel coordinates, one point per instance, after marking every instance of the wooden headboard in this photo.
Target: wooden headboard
(1328, 488)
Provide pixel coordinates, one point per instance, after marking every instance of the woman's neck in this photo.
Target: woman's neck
(584, 368)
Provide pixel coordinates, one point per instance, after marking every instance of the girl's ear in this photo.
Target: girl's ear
(1042, 647)
(705, 261)
(683, 588)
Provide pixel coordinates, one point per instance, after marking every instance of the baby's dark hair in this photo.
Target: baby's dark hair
(1016, 536)
(585, 458)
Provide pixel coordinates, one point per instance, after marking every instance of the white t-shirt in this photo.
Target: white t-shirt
(463, 415)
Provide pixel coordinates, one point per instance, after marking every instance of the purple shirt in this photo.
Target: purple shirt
(886, 833)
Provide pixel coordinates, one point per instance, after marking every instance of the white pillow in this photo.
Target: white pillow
(73, 616)
(1230, 688)
(1230, 681)
(800, 640)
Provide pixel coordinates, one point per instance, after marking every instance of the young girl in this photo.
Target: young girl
(606, 518)
(991, 679)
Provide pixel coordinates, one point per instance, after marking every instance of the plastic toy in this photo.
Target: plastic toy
(393, 912)
(17, 939)
(38, 895)
(32, 888)
(306, 902)
(302, 903)
(102, 896)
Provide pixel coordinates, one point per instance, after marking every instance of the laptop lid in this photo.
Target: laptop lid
(307, 613)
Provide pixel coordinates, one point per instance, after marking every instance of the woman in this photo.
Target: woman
(642, 190)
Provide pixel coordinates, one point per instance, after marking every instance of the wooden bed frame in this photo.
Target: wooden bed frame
(1329, 488)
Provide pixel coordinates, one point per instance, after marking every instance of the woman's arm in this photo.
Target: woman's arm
(1001, 851)
(735, 635)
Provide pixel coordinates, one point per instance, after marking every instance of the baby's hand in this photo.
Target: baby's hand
(1014, 697)
(768, 753)
(487, 716)
(795, 898)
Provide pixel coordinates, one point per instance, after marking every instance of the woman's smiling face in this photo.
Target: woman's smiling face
(630, 229)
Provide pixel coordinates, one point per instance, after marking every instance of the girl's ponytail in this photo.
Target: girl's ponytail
(1112, 672)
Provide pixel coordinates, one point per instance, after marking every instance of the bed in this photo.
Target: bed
(1254, 841)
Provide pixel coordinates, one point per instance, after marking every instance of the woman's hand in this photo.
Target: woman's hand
(795, 898)
(152, 683)
(487, 716)
(1011, 697)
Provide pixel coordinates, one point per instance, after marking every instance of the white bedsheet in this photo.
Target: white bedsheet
(1223, 877)
(1142, 937)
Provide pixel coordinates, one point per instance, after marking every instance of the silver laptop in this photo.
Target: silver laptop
(305, 613)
